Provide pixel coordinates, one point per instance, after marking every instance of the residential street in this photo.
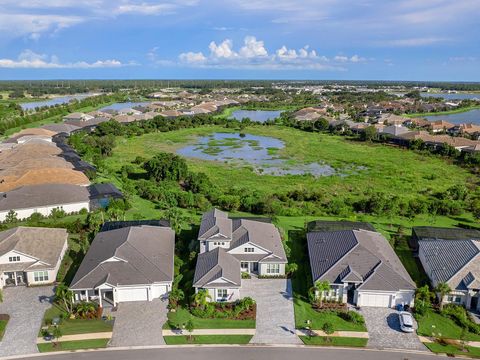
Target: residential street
(26, 307)
(241, 353)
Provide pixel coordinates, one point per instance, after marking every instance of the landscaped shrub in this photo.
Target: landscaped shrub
(352, 316)
(329, 305)
(328, 328)
(460, 316)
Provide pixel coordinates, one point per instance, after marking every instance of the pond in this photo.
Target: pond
(255, 115)
(55, 101)
(123, 105)
(447, 96)
(471, 116)
(259, 152)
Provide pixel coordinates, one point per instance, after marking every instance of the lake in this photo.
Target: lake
(55, 101)
(259, 152)
(472, 116)
(255, 115)
(124, 105)
(446, 96)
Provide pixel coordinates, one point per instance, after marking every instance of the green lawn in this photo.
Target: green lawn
(452, 350)
(207, 339)
(3, 327)
(334, 341)
(454, 111)
(77, 326)
(434, 324)
(181, 316)
(73, 345)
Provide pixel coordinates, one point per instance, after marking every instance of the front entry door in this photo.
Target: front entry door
(474, 303)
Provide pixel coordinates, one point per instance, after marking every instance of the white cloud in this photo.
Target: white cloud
(28, 59)
(412, 42)
(254, 55)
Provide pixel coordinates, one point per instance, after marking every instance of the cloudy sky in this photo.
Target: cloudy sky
(240, 39)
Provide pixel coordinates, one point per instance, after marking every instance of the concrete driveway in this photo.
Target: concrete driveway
(384, 330)
(139, 323)
(275, 316)
(26, 307)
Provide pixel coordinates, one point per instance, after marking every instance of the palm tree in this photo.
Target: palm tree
(176, 295)
(424, 294)
(201, 297)
(320, 287)
(64, 295)
(84, 309)
(442, 289)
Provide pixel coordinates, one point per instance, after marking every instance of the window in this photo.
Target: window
(273, 268)
(222, 294)
(249, 250)
(13, 258)
(244, 265)
(40, 276)
(215, 243)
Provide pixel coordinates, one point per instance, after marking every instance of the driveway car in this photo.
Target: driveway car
(406, 321)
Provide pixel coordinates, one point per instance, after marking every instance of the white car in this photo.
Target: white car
(406, 322)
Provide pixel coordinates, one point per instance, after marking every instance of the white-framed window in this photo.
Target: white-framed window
(249, 250)
(244, 264)
(222, 294)
(40, 276)
(13, 258)
(273, 268)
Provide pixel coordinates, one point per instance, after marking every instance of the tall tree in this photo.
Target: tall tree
(442, 289)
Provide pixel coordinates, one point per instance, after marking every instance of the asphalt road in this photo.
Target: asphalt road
(239, 353)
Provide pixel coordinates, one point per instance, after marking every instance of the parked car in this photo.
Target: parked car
(406, 321)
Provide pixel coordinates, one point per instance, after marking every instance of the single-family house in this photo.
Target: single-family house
(361, 268)
(133, 263)
(31, 255)
(456, 263)
(28, 200)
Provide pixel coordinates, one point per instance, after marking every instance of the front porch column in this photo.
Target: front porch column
(100, 298)
(86, 295)
(15, 278)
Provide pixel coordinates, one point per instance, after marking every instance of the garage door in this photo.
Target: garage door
(132, 295)
(377, 300)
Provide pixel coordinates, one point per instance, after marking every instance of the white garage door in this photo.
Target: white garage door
(377, 300)
(132, 295)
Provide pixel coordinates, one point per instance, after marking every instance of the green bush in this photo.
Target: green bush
(328, 328)
(352, 316)
(460, 316)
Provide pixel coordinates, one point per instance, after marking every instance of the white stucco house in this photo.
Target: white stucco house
(31, 255)
(131, 263)
(361, 268)
(229, 247)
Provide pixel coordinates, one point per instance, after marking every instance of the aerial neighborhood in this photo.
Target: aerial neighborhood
(279, 213)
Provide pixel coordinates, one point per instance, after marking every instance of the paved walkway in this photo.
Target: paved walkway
(275, 317)
(77, 337)
(384, 330)
(209, 332)
(139, 323)
(26, 307)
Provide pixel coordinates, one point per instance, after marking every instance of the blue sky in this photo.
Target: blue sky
(239, 39)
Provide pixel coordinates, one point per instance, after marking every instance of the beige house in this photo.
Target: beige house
(31, 255)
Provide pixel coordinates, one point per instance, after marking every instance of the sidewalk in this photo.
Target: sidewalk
(352, 334)
(77, 337)
(209, 332)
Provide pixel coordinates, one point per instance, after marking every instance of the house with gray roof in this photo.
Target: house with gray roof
(133, 263)
(31, 255)
(456, 263)
(361, 268)
(231, 246)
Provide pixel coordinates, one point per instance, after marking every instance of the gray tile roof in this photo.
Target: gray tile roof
(215, 222)
(44, 244)
(359, 256)
(41, 195)
(145, 256)
(446, 258)
(214, 265)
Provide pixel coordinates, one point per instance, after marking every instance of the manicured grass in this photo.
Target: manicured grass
(304, 312)
(3, 327)
(454, 111)
(436, 325)
(77, 326)
(74, 345)
(207, 339)
(450, 350)
(181, 316)
(334, 341)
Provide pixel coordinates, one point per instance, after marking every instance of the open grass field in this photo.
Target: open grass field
(454, 111)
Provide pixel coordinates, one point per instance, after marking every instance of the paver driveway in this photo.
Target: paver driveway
(26, 307)
(384, 330)
(139, 323)
(275, 316)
